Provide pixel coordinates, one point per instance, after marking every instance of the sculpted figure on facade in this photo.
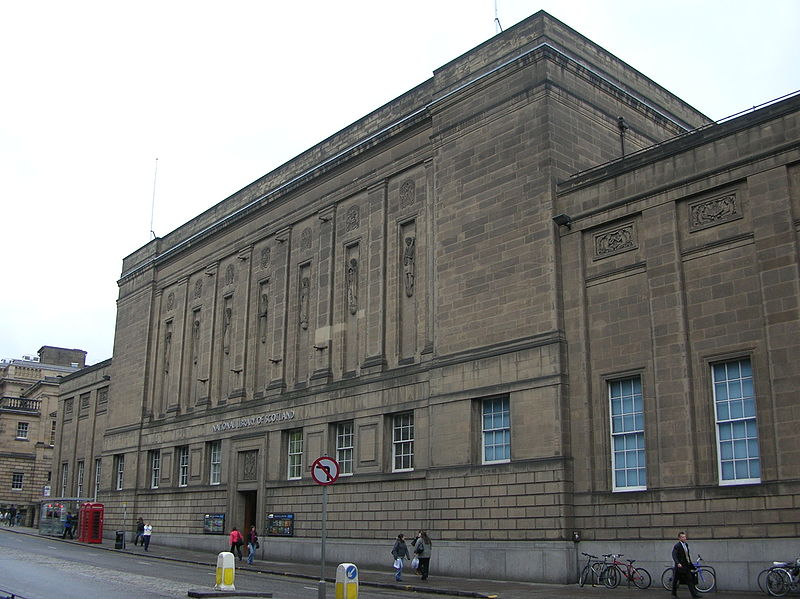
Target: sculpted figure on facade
(352, 286)
(304, 289)
(167, 350)
(195, 337)
(409, 264)
(226, 330)
(263, 311)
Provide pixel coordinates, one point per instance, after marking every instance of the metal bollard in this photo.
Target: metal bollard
(226, 572)
(347, 581)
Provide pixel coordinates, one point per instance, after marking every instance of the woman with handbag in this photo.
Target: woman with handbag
(236, 542)
(252, 545)
(399, 553)
(422, 551)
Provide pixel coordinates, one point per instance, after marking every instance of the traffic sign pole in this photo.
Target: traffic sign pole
(321, 588)
(324, 471)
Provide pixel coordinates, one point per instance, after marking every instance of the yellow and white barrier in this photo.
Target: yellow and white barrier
(347, 581)
(226, 572)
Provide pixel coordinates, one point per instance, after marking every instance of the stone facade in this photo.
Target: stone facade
(400, 298)
(28, 403)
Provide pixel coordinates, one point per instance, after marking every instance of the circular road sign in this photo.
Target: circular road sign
(325, 470)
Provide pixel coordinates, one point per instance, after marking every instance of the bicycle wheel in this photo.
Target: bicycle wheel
(777, 582)
(666, 578)
(585, 573)
(761, 579)
(706, 580)
(610, 577)
(641, 578)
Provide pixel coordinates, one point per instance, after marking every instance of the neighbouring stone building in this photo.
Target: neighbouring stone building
(28, 403)
(505, 332)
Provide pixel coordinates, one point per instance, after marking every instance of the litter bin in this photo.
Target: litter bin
(119, 542)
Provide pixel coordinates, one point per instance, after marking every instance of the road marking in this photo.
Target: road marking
(311, 588)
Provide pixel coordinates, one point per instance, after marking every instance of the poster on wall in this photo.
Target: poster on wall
(280, 525)
(214, 524)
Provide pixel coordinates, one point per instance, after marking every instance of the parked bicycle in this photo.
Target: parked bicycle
(706, 576)
(782, 577)
(593, 570)
(617, 570)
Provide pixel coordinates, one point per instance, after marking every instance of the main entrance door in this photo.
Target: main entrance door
(250, 501)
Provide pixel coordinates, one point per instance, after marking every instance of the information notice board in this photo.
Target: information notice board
(214, 524)
(280, 525)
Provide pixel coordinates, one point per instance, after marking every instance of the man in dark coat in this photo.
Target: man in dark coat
(684, 568)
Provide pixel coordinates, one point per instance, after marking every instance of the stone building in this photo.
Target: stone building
(28, 403)
(81, 423)
(505, 332)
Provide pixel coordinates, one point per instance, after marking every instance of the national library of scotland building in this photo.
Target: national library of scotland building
(536, 305)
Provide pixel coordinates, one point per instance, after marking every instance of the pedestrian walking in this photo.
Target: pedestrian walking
(252, 545)
(399, 553)
(684, 571)
(68, 527)
(12, 516)
(422, 551)
(139, 532)
(146, 533)
(236, 542)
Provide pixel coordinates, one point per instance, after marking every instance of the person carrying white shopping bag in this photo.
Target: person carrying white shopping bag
(399, 553)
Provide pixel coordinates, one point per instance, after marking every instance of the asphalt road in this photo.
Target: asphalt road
(37, 567)
(42, 568)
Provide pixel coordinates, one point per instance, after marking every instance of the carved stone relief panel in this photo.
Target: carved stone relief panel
(248, 464)
(352, 218)
(265, 257)
(230, 275)
(305, 239)
(621, 238)
(408, 194)
(715, 211)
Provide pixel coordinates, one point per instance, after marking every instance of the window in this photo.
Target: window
(183, 466)
(97, 464)
(737, 433)
(85, 400)
(344, 447)
(496, 418)
(52, 433)
(79, 480)
(16, 481)
(64, 479)
(22, 430)
(155, 468)
(119, 471)
(295, 455)
(215, 459)
(68, 407)
(403, 442)
(627, 434)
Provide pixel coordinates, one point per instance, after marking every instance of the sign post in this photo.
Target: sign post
(324, 471)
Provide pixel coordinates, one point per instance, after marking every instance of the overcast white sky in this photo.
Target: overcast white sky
(91, 93)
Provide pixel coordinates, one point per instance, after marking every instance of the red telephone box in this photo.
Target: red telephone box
(90, 522)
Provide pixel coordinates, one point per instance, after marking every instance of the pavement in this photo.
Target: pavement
(440, 585)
